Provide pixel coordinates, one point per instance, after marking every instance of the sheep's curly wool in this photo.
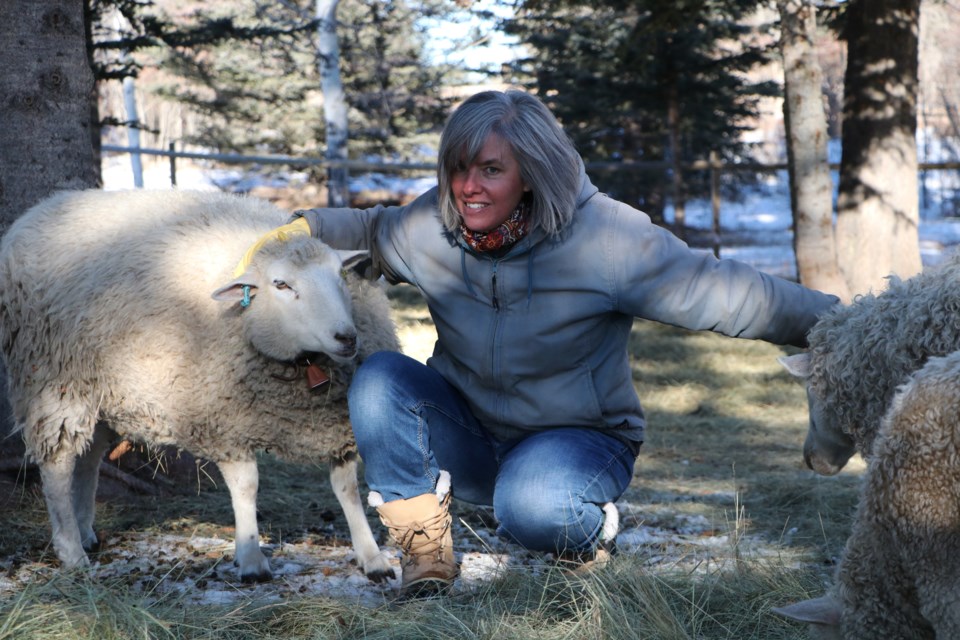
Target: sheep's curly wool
(862, 351)
(900, 574)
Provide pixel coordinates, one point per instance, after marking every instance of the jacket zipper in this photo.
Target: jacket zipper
(498, 409)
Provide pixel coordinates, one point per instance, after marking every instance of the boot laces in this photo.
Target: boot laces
(422, 538)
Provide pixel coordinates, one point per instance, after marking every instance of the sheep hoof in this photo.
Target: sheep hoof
(92, 547)
(78, 562)
(380, 576)
(256, 577)
(378, 568)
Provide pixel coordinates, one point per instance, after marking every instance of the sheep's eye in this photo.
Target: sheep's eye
(280, 284)
(343, 274)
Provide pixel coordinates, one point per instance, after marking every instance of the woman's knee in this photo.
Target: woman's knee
(547, 521)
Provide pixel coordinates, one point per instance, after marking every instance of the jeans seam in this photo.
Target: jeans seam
(425, 450)
(614, 458)
(600, 472)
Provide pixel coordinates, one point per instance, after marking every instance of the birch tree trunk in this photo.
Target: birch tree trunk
(129, 90)
(806, 127)
(334, 103)
(877, 207)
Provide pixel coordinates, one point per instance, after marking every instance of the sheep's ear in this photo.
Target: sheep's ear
(824, 610)
(235, 291)
(799, 364)
(359, 262)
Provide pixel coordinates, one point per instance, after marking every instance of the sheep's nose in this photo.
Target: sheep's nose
(348, 341)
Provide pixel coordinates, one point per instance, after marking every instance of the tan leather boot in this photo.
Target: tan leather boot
(420, 526)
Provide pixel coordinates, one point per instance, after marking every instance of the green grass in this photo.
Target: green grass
(726, 427)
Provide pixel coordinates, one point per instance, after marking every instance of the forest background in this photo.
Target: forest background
(648, 90)
(651, 92)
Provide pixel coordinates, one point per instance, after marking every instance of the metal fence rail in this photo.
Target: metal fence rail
(715, 167)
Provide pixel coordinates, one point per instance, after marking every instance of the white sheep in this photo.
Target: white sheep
(859, 353)
(900, 573)
(107, 320)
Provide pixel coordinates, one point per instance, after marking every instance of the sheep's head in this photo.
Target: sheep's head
(297, 299)
(827, 447)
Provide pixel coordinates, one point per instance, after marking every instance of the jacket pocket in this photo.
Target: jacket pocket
(566, 398)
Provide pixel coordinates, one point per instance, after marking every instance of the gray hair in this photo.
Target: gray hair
(549, 163)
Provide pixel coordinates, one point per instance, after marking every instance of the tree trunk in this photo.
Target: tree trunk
(132, 124)
(806, 127)
(679, 195)
(47, 86)
(334, 102)
(46, 92)
(877, 206)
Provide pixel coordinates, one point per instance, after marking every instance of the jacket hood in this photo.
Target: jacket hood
(587, 190)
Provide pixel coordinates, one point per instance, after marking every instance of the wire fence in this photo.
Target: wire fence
(939, 182)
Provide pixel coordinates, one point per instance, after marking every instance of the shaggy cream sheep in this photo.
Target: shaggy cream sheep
(900, 573)
(107, 324)
(859, 353)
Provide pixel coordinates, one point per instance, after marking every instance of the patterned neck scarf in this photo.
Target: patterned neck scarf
(504, 236)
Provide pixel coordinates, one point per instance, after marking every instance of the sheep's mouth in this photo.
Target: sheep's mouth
(346, 353)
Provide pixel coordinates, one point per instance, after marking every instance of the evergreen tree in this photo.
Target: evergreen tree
(261, 93)
(645, 81)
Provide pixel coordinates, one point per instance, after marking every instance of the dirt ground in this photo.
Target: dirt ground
(159, 554)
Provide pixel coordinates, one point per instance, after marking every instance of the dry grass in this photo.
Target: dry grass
(726, 427)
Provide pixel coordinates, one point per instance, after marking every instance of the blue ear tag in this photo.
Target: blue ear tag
(246, 296)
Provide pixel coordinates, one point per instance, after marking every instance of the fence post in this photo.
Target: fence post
(173, 164)
(715, 200)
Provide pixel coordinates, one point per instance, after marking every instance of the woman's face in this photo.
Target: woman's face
(489, 189)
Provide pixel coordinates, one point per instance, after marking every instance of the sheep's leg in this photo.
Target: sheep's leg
(242, 481)
(56, 475)
(85, 477)
(343, 478)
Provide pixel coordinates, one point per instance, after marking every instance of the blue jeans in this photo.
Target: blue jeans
(546, 489)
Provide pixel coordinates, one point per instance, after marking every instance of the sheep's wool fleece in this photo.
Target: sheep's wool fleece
(106, 313)
(861, 352)
(898, 576)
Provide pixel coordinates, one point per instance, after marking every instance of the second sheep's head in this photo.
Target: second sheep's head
(827, 447)
(299, 300)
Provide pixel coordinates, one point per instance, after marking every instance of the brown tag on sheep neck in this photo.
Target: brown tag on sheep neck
(316, 377)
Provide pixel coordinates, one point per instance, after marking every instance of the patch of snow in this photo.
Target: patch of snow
(117, 174)
(198, 570)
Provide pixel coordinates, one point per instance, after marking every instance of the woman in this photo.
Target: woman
(533, 279)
